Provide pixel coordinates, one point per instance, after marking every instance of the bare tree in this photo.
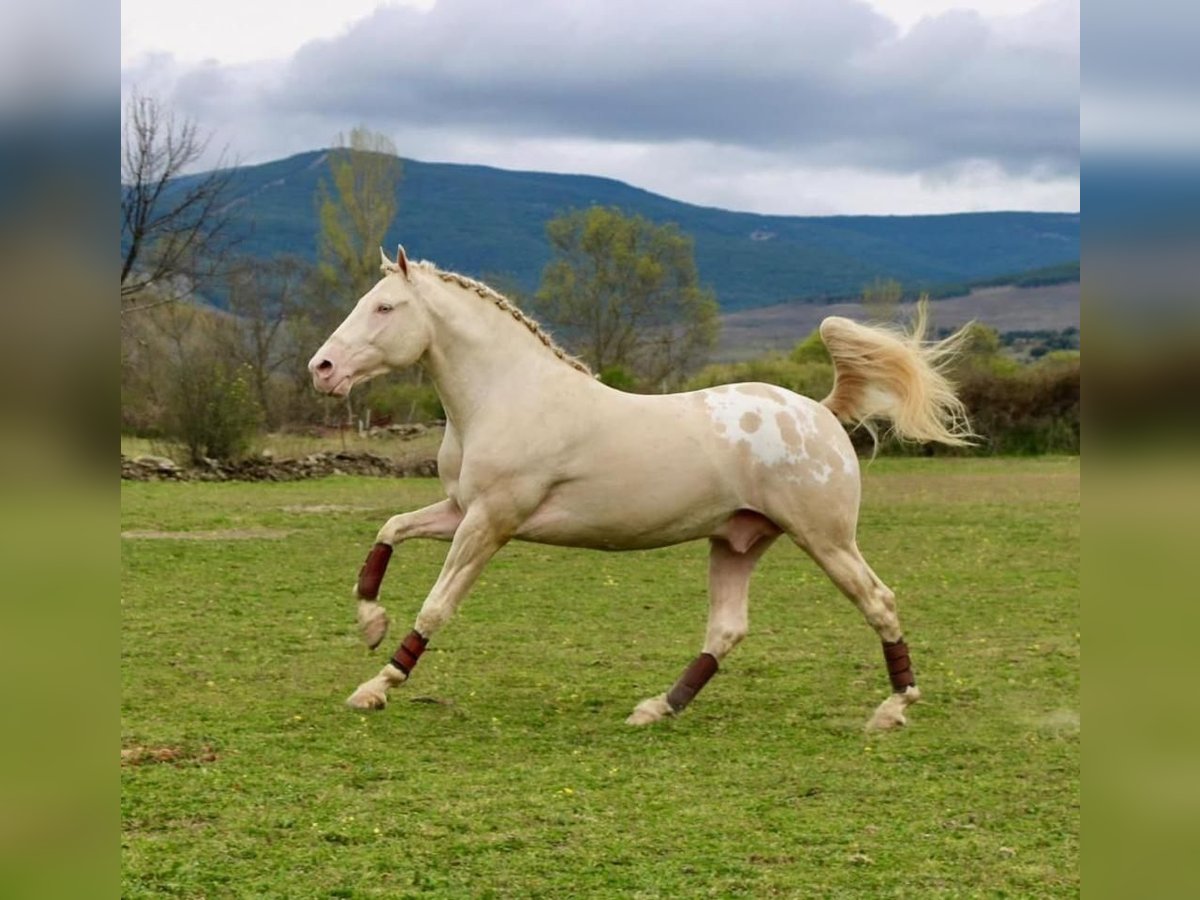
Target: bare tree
(174, 227)
(268, 297)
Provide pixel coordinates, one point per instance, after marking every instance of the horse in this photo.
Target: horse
(537, 449)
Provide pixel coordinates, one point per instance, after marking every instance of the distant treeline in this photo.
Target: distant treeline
(1063, 273)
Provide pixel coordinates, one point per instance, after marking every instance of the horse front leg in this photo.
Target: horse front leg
(729, 572)
(475, 541)
(437, 522)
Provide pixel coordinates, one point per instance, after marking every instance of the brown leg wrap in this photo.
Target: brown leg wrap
(694, 678)
(409, 651)
(895, 654)
(370, 576)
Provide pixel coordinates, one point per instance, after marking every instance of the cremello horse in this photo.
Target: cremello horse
(536, 449)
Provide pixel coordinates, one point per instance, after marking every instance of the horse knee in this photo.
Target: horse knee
(390, 532)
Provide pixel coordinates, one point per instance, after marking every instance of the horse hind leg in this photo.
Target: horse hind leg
(732, 558)
(845, 565)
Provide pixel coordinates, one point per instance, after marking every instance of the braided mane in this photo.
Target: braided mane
(509, 307)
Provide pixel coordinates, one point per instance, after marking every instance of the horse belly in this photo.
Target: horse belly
(625, 516)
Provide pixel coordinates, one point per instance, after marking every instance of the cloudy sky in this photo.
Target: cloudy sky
(772, 106)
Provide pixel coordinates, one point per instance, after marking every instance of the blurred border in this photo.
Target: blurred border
(1140, 124)
(59, 630)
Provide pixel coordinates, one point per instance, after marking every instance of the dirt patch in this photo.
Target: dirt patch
(1061, 721)
(141, 756)
(223, 534)
(305, 510)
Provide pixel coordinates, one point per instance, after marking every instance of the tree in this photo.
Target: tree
(267, 298)
(356, 212)
(174, 227)
(625, 294)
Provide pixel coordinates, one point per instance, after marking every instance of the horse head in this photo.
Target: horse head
(388, 329)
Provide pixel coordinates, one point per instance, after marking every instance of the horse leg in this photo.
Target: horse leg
(438, 522)
(845, 565)
(728, 621)
(475, 541)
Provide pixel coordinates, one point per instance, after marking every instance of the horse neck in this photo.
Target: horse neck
(480, 355)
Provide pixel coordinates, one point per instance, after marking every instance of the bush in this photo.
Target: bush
(210, 409)
(181, 384)
(812, 379)
(1032, 410)
(619, 377)
(401, 399)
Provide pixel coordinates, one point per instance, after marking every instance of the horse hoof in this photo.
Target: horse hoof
(886, 720)
(372, 623)
(890, 713)
(366, 699)
(650, 711)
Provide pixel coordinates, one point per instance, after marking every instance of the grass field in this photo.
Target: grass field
(503, 768)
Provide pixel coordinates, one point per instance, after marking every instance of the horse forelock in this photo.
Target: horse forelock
(490, 293)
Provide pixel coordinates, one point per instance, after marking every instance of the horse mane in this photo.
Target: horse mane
(489, 293)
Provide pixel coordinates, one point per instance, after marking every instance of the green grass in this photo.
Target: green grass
(522, 781)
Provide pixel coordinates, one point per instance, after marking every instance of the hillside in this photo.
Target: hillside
(481, 220)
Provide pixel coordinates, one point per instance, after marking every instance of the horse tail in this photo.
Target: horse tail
(887, 373)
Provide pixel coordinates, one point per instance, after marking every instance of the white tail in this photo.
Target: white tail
(884, 373)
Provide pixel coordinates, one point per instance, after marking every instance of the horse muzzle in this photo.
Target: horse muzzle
(328, 377)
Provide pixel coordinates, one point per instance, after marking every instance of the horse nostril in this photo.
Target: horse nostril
(324, 366)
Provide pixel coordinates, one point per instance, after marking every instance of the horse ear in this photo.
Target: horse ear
(384, 261)
(401, 259)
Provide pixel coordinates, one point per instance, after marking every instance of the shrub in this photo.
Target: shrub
(402, 399)
(812, 379)
(210, 410)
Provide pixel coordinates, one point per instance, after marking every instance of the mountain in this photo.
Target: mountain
(481, 221)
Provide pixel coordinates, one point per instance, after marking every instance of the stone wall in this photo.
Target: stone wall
(265, 468)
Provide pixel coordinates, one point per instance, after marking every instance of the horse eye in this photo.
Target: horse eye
(383, 307)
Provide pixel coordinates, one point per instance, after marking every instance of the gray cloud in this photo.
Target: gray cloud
(824, 80)
(820, 83)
